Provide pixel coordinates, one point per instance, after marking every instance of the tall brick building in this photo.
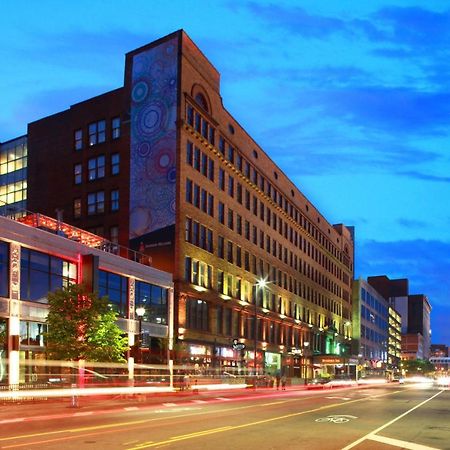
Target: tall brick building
(161, 164)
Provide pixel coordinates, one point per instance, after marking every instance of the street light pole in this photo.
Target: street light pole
(260, 284)
(140, 311)
(305, 350)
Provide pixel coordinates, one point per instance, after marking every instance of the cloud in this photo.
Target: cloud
(426, 177)
(409, 223)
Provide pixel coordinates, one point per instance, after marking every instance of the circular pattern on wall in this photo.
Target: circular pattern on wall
(152, 118)
(144, 149)
(172, 175)
(139, 92)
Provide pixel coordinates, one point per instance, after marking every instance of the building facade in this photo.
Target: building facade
(161, 164)
(39, 255)
(370, 329)
(394, 340)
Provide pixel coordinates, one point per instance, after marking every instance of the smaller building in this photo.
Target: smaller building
(39, 254)
(394, 340)
(439, 357)
(370, 329)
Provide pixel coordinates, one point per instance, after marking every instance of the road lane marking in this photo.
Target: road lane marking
(250, 424)
(85, 413)
(224, 399)
(169, 404)
(131, 408)
(372, 433)
(199, 401)
(341, 398)
(402, 444)
(139, 422)
(273, 403)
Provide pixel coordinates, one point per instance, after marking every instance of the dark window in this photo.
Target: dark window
(78, 173)
(77, 208)
(116, 288)
(211, 170)
(115, 128)
(41, 273)
(189, 153)
(230, 252)
(222, 145)
(196, 314)
(96, 203)
(201, 101)
(189, 191)
(220, 249)
(211, 205)
(190, 115)
(221, 213)
(221, 179)
(115, 200)
(115, 164)
(78, 139)
(230, 219)
(230, 186)
(4, 271)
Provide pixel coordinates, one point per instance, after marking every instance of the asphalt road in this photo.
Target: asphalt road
(385, 417)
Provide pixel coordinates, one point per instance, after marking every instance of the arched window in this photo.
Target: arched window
(201, 101)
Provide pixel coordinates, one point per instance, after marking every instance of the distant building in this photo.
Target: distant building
(41, 255)
(439, 357)
(415, 313)
(394, 340)
(370, 328)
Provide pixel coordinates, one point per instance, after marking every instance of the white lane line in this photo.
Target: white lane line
(223, 398)
(402, 444)
(169, 404)
(372, 433)
(131, 408)
(20, 419)
(341, 398)
(199, 401)
(86, 413)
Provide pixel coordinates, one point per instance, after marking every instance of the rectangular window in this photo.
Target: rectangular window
(219, 317)
(116, 288)
(190, 115)
(211, 169)
(239, 224)
(197, 314)
(96, 168)
(196, 164)
(209, 241)
(239, 192)
(77, 208)
(4, 274)
(96, 203)
(221, 213)
(220, 247)
(78, 173)
(211, 205)
(189, 191)
(230, 252)
(230, 219)
(231, 154)
(238, 256)
(78, 139)
(222, 145)
(115, 164)
(189, 153)
(230, 186)
(115, 128)
(114, 234)
(221, 179)
(196, 196)
(204, 201)
(115, 200)
(204, 164)
(220, 281)
(97, 132)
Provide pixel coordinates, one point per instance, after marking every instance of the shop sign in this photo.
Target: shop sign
(197, 350)
(226, 352)
(329, 360)
(238, 345)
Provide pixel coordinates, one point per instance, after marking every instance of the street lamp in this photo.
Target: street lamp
(140, 311)
(305, 351)
(261, 283)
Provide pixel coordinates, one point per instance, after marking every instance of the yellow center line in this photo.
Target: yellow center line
(251, 424)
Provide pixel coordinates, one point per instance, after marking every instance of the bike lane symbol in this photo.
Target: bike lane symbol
(341, 418)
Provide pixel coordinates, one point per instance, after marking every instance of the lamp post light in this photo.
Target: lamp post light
(305, 354)
(140, 311)
(261, 283)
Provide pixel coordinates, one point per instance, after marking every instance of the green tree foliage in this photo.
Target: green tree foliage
(417, 366)
(82, 326)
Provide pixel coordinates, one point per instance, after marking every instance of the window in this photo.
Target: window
(41, 273)
(154, 299)
(77, 173)
(211, 205)
(221, 179)
(96, 168)
(96, 203)
(116, 288)
(230, 219)
(190, 115)
(114, 234)
(189, 191)
(4, 271)
(221, 213)
(230, 186)
(197, 314)
(97, 132)
(211, 169)
(77, 208)
(78, 139)
(115, 164)
(230, 252)
(115, 128)
(220, 249)
(115, 200)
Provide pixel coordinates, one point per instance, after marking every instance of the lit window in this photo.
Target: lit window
(96, 203)
(77, 208)
(114, 234)
(115, 128)
(78, 139)
(78, 173)
(115, 164)
(115, 200)
(97, 133)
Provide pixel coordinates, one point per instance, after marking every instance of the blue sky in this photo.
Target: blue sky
(351, 99)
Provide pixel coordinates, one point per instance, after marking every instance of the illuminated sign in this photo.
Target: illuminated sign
(329, 360)
(238, 345)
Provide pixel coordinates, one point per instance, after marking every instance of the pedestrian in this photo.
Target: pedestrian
(277, 379)
(283, 383)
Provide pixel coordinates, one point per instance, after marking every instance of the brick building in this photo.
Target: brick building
(161, 165)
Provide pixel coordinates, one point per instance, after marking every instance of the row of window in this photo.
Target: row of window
(201, 274)
(251, 173)
(96, 203)
(240, 325)
(96, 133)
(374, 318)
(13, 157)
(199, 235)
(203, 200)
(378, 305)
(96, 168)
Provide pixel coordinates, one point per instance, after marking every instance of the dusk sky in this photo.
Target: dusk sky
(350, 99)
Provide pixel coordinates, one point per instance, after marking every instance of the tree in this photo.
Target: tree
(417, 366)
(81, 325)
